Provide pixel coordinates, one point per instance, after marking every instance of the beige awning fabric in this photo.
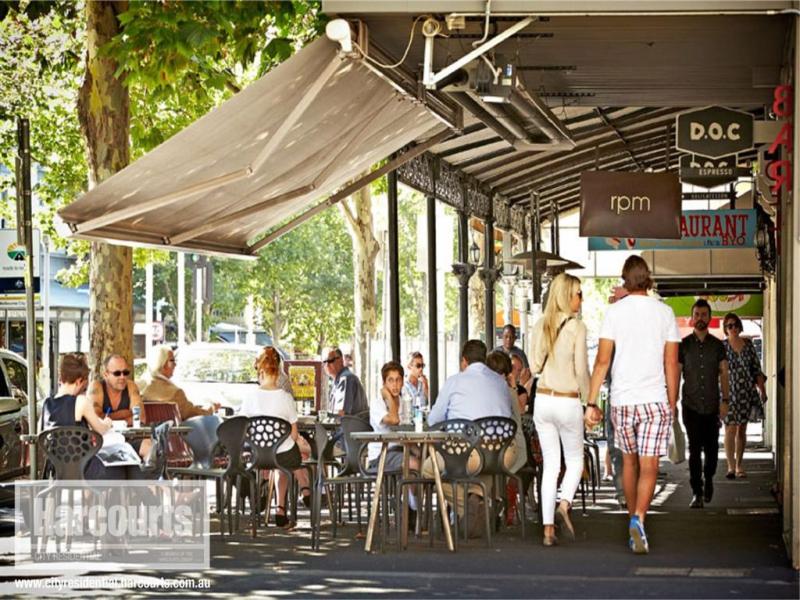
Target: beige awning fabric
(294, 136)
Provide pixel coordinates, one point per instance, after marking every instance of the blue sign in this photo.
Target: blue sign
(699, 229)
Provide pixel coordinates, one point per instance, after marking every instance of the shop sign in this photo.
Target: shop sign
(12, 262)
(699, 229)
(744, 305)
(710, 172)
(715, 131)
(709, 196)
(780, 170)
(635, 205)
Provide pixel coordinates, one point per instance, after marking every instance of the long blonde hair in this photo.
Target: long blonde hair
(559, 297)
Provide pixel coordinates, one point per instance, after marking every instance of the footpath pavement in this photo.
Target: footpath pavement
(730, 549)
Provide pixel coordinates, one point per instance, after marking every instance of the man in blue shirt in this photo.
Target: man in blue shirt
(474, 393)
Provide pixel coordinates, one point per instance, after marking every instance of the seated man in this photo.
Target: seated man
(161, 389)
(474, 393)
(115, 395)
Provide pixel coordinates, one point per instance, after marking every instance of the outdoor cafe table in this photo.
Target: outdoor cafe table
(145, 432)
(426, 439)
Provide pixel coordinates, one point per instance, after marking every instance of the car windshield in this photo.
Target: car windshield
(217, 365)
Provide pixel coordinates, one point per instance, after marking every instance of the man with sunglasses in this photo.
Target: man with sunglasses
(416, 383)
(115, 394)
(704, 364)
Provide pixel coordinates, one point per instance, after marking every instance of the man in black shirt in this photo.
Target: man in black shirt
(705, 370)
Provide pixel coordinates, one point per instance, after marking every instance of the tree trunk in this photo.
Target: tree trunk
(358, 214)
(103, 112)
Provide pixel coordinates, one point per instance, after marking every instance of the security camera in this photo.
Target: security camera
(338, 30)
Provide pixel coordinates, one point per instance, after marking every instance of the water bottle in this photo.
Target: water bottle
(137, 416)
(418, 422)
(406, 407)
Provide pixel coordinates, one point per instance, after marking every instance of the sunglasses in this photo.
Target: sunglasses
(580, 294)
(328, 361)
(124, 372)
(420, 365)
(730, 326)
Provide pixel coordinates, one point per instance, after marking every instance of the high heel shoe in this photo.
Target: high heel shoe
(281, 520)
(564, 522)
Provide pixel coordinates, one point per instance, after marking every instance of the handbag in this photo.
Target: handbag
(756, 411)
(677, 444)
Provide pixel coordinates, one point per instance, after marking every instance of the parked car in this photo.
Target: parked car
(216, 372)
(13, 414)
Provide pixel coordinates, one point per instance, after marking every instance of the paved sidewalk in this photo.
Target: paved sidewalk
(731, 549)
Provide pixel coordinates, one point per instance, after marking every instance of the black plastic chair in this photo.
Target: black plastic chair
(497, 434)
(231, 435)
(532, 468)
(265, 435)
(352, 472)
(203, 442)
(67, 451)
(456, 453)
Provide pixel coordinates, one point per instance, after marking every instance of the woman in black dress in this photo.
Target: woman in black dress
(746, 381)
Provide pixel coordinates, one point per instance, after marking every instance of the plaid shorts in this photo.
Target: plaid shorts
(642, 429)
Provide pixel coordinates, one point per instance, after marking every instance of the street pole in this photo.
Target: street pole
(25, 232)
(394, 262)
(148, 309)
(181, 299)
(198, 336)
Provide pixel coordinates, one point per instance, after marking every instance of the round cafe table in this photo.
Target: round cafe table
(428, 440)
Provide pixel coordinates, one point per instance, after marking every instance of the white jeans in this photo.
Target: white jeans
(559, 418)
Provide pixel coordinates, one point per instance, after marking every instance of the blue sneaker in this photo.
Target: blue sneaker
(638, 541)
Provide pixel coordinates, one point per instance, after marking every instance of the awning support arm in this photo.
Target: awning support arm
(434, 78)
(352, 188)
(156, 203)
(216, 182)
(279, 135)
(295, 193)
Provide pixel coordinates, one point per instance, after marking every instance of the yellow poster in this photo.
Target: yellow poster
(303, 383)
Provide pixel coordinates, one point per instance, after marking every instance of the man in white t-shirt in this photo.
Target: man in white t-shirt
(641, 334)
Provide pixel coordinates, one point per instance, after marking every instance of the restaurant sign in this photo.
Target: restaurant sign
(714, 131)
(635, 205)
(744, 305)
(699, 229)
(710, 172)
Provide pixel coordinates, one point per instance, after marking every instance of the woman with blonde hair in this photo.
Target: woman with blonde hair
(560, 358)
(269, 400)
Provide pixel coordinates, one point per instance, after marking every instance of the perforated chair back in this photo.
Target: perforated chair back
(350, 425)
(528, 430)
(69, 450)
(456, 452)
(497, 434)
(203, 440)
(265, 435)
(231, 434)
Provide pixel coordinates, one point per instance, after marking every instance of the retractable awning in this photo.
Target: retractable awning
(300, 132)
